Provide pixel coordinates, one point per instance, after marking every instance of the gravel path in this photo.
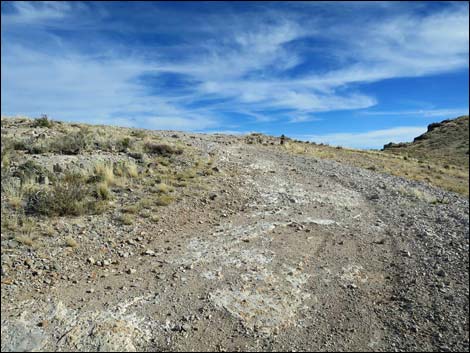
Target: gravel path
(282, 252)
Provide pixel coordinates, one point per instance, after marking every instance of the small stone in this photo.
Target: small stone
(43, 323)
(149, 252)
(131, 271)
(91, 260)
(91, 290)
(374, 197)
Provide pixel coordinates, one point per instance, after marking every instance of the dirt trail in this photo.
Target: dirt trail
(292, 253)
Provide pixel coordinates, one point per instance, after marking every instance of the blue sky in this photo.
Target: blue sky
(357, 74)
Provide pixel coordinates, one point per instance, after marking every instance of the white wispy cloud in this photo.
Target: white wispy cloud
(245, 63)
(427, 113)
(303, 118)
(370, 139)
(38, 12)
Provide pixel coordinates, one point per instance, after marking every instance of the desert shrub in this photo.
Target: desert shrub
(126, 219)
(7, 147)
(185, 175)
(103, 192)
(126, 169)
(72, 143)
(161, 149)
(123, 144)
(32, 171)
(43, 121)
(139, 133)
(70, 195)
(133, 209)
(164, 200)
(104, 172)
(107, 142)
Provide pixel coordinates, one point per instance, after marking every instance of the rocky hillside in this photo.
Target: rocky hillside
(118, 239)
(445, 143)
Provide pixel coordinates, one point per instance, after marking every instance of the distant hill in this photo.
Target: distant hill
(444, 143)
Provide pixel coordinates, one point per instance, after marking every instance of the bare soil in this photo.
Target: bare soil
(279, 252)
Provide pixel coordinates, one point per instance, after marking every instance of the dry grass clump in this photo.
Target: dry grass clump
(163, 188)
(126, 219)
(70, 195)
(103, 192)
(25, 240)
(71, 242)
(126, 169)
(22, 226)
(132, 209)
(164, 200)
(161, 149)
(104, 172)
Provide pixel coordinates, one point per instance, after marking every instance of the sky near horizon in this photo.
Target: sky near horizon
(356, 74)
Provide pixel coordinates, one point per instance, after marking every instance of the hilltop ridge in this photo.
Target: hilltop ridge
(446, 142)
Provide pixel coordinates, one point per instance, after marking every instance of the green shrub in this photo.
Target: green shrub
(68, 196)
(43, 121)
(31, 170)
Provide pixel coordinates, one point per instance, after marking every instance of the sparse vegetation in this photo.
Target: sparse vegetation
(73, 143)
(132, 209)
(43, 121)
(104, 172)
(455, 178)
(68, 196)
(444, 144)
(127, 169)
(103, 192)
(126, 219)
(161, 149)
(164, 200)
(162, 188)
(25, 240)
(71, 242)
